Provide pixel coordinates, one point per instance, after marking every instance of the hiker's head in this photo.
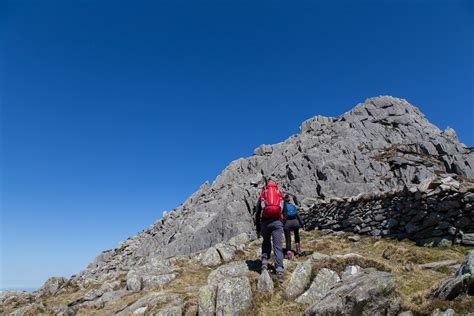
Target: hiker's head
(287, 198)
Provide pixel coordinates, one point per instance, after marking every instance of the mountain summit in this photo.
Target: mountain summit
(381, 144)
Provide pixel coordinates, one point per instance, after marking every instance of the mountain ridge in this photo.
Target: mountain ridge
(380, 144)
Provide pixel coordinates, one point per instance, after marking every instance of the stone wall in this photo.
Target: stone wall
(438, 212)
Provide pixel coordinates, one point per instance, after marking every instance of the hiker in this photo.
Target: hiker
(292, 223)
(270, 226)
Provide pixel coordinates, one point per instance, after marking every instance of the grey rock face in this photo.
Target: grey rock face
(368, 293)
(300, 280)
(234, 295)
(381, 144)
(322, 283)
(265, 283)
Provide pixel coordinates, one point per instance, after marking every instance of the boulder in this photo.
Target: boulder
(265, 283)
(370, 292)
(322, 283)
(300, 280)
(211, 258)
(461, 284)
(233, 269)
(234, 295)
(134, 282)
(452, 288)
(239, 240)
(226, 251)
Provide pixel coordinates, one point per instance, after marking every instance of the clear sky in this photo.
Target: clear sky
(114, 111)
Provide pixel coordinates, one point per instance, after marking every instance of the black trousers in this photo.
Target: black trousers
(291, 225)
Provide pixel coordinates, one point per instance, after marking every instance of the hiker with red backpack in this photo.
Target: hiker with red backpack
(292, 223)
(270, 226)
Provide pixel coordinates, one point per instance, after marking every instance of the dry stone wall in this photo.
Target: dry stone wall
(438, 212)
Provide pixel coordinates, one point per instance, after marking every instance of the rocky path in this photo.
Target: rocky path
(338, 274)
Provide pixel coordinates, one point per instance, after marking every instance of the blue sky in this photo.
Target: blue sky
(114, 111)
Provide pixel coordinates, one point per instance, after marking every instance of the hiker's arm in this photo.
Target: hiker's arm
(285, 212)
(258, 213)
(300, 221)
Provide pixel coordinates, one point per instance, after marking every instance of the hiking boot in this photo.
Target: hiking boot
(264, 266)
(289, 254)
(298, 249)
(280, 276)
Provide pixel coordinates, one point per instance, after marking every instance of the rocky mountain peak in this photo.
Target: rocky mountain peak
(382, 144)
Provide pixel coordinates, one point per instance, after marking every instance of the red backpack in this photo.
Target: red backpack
(271, 198)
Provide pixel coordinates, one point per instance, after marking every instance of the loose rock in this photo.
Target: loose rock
(300, 280)
(322, 283)
(234, 295)
(265, 283)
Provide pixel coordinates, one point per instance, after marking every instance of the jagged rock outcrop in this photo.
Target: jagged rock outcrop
(461, 284)
(380, 145)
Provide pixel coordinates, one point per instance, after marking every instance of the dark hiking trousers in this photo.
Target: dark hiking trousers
(292, 225)
(272, 231)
